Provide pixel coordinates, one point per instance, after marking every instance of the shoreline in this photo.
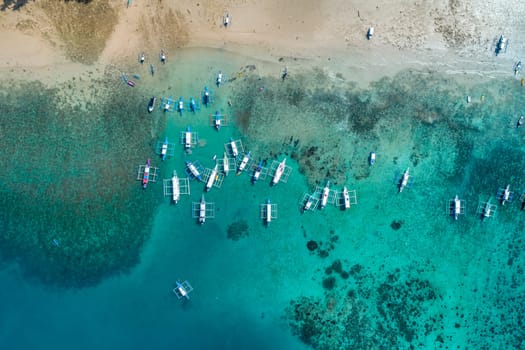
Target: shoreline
(326, 45)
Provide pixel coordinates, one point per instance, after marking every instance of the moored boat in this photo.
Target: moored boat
(324, 194)
(309, 203)
(145, 177)
(181, 105)
(346, 198)
(187, 138)
(164, 149)
(268, 212)
(226, 164)
(372, 158)
(202, 210)
(175, 184)
(279, 172)
(404, 180)
(212, 178)
(233, 146)
(457, 207)
(151, 104)
(217, 120)
(193, 170)
(244, 162)
(257, 172)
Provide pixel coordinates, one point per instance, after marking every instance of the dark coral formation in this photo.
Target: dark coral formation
(238, 230)
(367, 312)
(69, 210)
(396, 224)
(312, 245)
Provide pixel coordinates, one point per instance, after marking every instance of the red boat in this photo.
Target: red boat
(131, 83)
(145, 179)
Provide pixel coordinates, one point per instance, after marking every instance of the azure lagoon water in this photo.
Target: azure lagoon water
(393, 271)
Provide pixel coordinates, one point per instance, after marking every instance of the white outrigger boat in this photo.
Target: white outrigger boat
(268, 212)
(193, 170)
(404, 180)
(309, 203)
(486, 209)
(457, 207)
(244, 162)
(505, 195)
(164, 149)
(346, 198)
(187, 138)
(279, 172)
(226, 164)
(202, 210)
(213, 176)
(182, 289)
(325, 194)
(233, 145)
(175, 188)
(167, 104)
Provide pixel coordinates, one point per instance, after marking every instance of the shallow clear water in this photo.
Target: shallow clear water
(392, 271)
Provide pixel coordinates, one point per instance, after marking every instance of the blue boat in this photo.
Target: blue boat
(257, 172)
(152, 69)
(217, 120)
(167, 104)
(193, 105)
(207, 96)
(180, 106)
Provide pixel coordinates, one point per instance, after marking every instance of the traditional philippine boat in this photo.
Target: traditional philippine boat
(244, 162)
(212, 178)
(175, 184)
(235, 151)
(404, 180)
(193, 170)
(257, 172)
(226, 164)
(279, 172)
(325, 194)
(151, 104)
(202, 210)
(164, 149)
(145, 177)
(346, 198)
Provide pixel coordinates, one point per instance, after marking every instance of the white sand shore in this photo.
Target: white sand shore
(456, 37)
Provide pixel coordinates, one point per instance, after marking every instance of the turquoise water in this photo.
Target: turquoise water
(394, 271)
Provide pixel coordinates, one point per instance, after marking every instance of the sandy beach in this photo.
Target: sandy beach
(457, 37)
